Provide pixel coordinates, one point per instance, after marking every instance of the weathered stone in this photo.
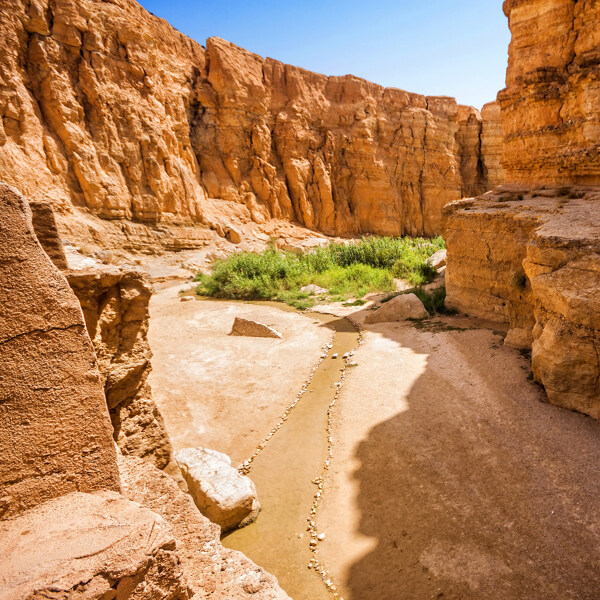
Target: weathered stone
(400, 308)
(212, 570)
(532, 260)
(115, 306)
(173, 137)
(219, 491)
(438, 259)
(46, 232)
(55, 435)
(551, 104)
(246, 327)
(93, 546)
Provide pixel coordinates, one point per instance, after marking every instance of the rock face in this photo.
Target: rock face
(219, 491)
(532, 259)
(94, 546)
(400, 308)
(491, 144)
(115, 306)
(551, 104)
(249, 328)
(46, 232)
(213, 571)
(55, 436)
(98, 115)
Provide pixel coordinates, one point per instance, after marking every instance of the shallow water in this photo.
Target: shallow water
(283, 472)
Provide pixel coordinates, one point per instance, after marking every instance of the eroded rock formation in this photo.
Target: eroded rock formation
(65, 529)
(55, 436)
(532, 259)
(551, 104)
(115, 306)
(529, 254)
(108, 109)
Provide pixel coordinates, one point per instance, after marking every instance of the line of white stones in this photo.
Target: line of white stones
(319, 481)
(246, 466)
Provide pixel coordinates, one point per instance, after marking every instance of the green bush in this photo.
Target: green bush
(351, 270)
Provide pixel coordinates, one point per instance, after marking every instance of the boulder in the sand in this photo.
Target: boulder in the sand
(404, 306)
(219, 491)
(250, 328)
(438, 260)
(313, 290)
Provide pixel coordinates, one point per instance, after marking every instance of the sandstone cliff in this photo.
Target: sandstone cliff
(529, 254)
(551, 104)
(65, 529)
(115, 306)
(107, 109)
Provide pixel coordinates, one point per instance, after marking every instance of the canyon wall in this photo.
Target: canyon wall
(107, 109)
(77, 518)
(528, 253)
(551, 104)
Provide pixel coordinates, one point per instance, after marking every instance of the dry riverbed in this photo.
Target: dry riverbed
(451, 476)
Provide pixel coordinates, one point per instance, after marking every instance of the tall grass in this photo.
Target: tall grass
(344, 270)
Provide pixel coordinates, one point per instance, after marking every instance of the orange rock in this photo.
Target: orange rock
(55, 433)
(99, 117)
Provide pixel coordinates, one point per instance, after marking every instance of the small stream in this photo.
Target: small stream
(283, 472)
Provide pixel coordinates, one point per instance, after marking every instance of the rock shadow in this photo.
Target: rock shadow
(480, 489)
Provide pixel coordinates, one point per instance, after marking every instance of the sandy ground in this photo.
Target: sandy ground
(452, 477)
(220, 391)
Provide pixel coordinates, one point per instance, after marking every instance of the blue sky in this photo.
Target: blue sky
(437, 47)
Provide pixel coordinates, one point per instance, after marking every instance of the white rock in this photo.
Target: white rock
(405, 306)
(186, 298)
(438, 259)
(334, 355)
(219, 491)
(249, 328)
(313, 290)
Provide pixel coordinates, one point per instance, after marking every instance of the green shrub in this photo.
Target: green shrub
(351, 270)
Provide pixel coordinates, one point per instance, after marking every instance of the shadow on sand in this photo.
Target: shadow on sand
(480, 489)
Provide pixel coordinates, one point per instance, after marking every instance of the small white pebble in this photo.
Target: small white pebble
(321, 537)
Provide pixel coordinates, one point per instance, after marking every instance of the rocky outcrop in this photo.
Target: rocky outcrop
(55, 436)
(93, 546)
(97, 115)
(491, 145)
(213, 571)
(531, 258)
(400, 308)
(551, 104)
(220, 492)
(65, 531)
(115, 306)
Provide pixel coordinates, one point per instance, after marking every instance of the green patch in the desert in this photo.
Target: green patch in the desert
(347, 271)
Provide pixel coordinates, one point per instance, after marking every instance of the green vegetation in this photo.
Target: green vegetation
(346, 271)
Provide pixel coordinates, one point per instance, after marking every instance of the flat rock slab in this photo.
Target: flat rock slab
(92, 546)
(438, 259)
(219, 491)
(250, 328)
(400, 308)
(314, 290)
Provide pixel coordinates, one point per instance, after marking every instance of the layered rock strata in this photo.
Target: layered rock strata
(55, 435)
(98, 115)
(115, 306)
(65, 531)
(551, 104)
(532, 258)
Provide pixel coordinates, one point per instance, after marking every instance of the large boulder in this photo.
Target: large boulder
(213, 571)
(400, 308)
(246, 327)
(55, 433)
(438, 259)
(219, 491)
(89, 546)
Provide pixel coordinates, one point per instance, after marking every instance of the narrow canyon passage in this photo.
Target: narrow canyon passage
(452, 477)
